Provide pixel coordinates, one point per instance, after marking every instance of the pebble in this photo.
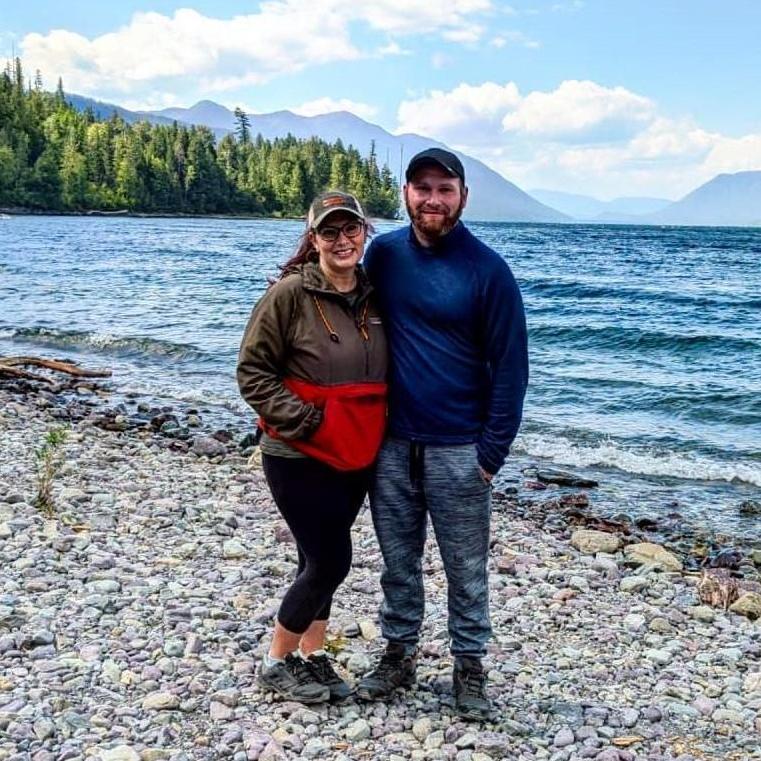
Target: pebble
(563, 738)
(661, 657)
(652, 555)
(133, 629)
(119, 753)
(422, 728)
(634, 583)
(358, 730)
(161, 701)
(591, 542)
(703, 613)
(233, 550)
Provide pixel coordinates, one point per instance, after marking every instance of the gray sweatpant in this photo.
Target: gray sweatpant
(414, 480)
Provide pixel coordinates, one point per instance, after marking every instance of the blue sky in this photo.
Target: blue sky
(605, 97)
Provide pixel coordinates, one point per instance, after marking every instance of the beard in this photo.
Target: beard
(434, 227)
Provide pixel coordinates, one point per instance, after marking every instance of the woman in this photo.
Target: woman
(313, 366)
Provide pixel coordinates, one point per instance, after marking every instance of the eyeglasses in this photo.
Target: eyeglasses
(350, 230)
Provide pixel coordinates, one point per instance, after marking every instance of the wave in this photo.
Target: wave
(649, 463)
(612, 337)
(618, 291)
(103, 342)
(197, 396)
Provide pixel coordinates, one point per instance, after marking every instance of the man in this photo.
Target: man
(459, 368)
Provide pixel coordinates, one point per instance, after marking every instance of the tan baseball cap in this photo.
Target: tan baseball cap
(330, 201)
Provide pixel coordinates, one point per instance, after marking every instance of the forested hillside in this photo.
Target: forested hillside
(55, 158)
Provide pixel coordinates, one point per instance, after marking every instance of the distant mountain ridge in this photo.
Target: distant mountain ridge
(492, 197)
(726, 200)
(583, 207)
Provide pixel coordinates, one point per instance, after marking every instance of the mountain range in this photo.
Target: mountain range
(590, 209)
(492, 198)
(727, 199)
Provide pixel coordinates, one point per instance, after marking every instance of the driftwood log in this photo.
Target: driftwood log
(12, 367)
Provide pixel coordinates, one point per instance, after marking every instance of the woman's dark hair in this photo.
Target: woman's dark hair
(306, 252)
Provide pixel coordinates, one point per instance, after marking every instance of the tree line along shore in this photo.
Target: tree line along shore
(54, 158)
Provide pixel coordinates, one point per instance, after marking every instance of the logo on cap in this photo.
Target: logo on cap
(333, 201)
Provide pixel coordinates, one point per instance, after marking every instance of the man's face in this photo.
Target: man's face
(435, 201)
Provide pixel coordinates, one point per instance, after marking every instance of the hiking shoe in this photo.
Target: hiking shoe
(324, 674)
(469, 685)
(394, 670)
(293, 679)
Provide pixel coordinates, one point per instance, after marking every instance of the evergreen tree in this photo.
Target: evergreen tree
(53, 157)
(242, 125)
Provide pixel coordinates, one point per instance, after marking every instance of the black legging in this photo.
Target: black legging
(319, 505)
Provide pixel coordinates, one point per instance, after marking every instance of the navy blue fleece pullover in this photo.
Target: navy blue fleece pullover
(457, 330)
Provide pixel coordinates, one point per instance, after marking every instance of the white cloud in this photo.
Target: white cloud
(513, 38)
(461, 115)
(392, 48)
(284, 36)
(739, 154)
(329, 105)
(152, 101)
(581, 137)
(581, 110)
(575, 112)
(569, 7)
(467, 35)
(222, 54)
(413, 17)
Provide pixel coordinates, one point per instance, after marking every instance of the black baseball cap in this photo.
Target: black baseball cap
(445, 159)
(330, 201)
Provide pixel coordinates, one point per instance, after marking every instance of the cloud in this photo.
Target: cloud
(575, 112)
(462, 115)
(513, 38)
(329, 105)
(581, 137)
(392, 48)
(414, 17)
(222, 54)
(569, 7)
(739, 154)
(217, 54)
(467, 35)
(581, 110)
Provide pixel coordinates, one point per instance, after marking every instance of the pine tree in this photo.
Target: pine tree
(53, 157)
(59, 93)
(242, 125)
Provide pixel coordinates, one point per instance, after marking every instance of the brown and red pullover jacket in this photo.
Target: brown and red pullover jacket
(313, 366)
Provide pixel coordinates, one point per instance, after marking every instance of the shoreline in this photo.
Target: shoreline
(130, 626)
(552, 506)
(126, 214)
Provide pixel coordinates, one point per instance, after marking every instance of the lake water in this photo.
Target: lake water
(645, 342)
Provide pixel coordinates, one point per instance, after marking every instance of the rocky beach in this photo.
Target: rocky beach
(133, 614)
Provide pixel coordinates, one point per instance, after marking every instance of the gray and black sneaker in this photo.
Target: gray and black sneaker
(469, 685)
(293, 679)
(324, 673)
(394, 670)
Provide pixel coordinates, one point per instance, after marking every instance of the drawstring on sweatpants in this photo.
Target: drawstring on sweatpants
(417, 462)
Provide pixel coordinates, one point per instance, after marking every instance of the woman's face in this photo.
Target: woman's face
(340, 242)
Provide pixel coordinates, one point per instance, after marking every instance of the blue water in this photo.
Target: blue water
(645, 342)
